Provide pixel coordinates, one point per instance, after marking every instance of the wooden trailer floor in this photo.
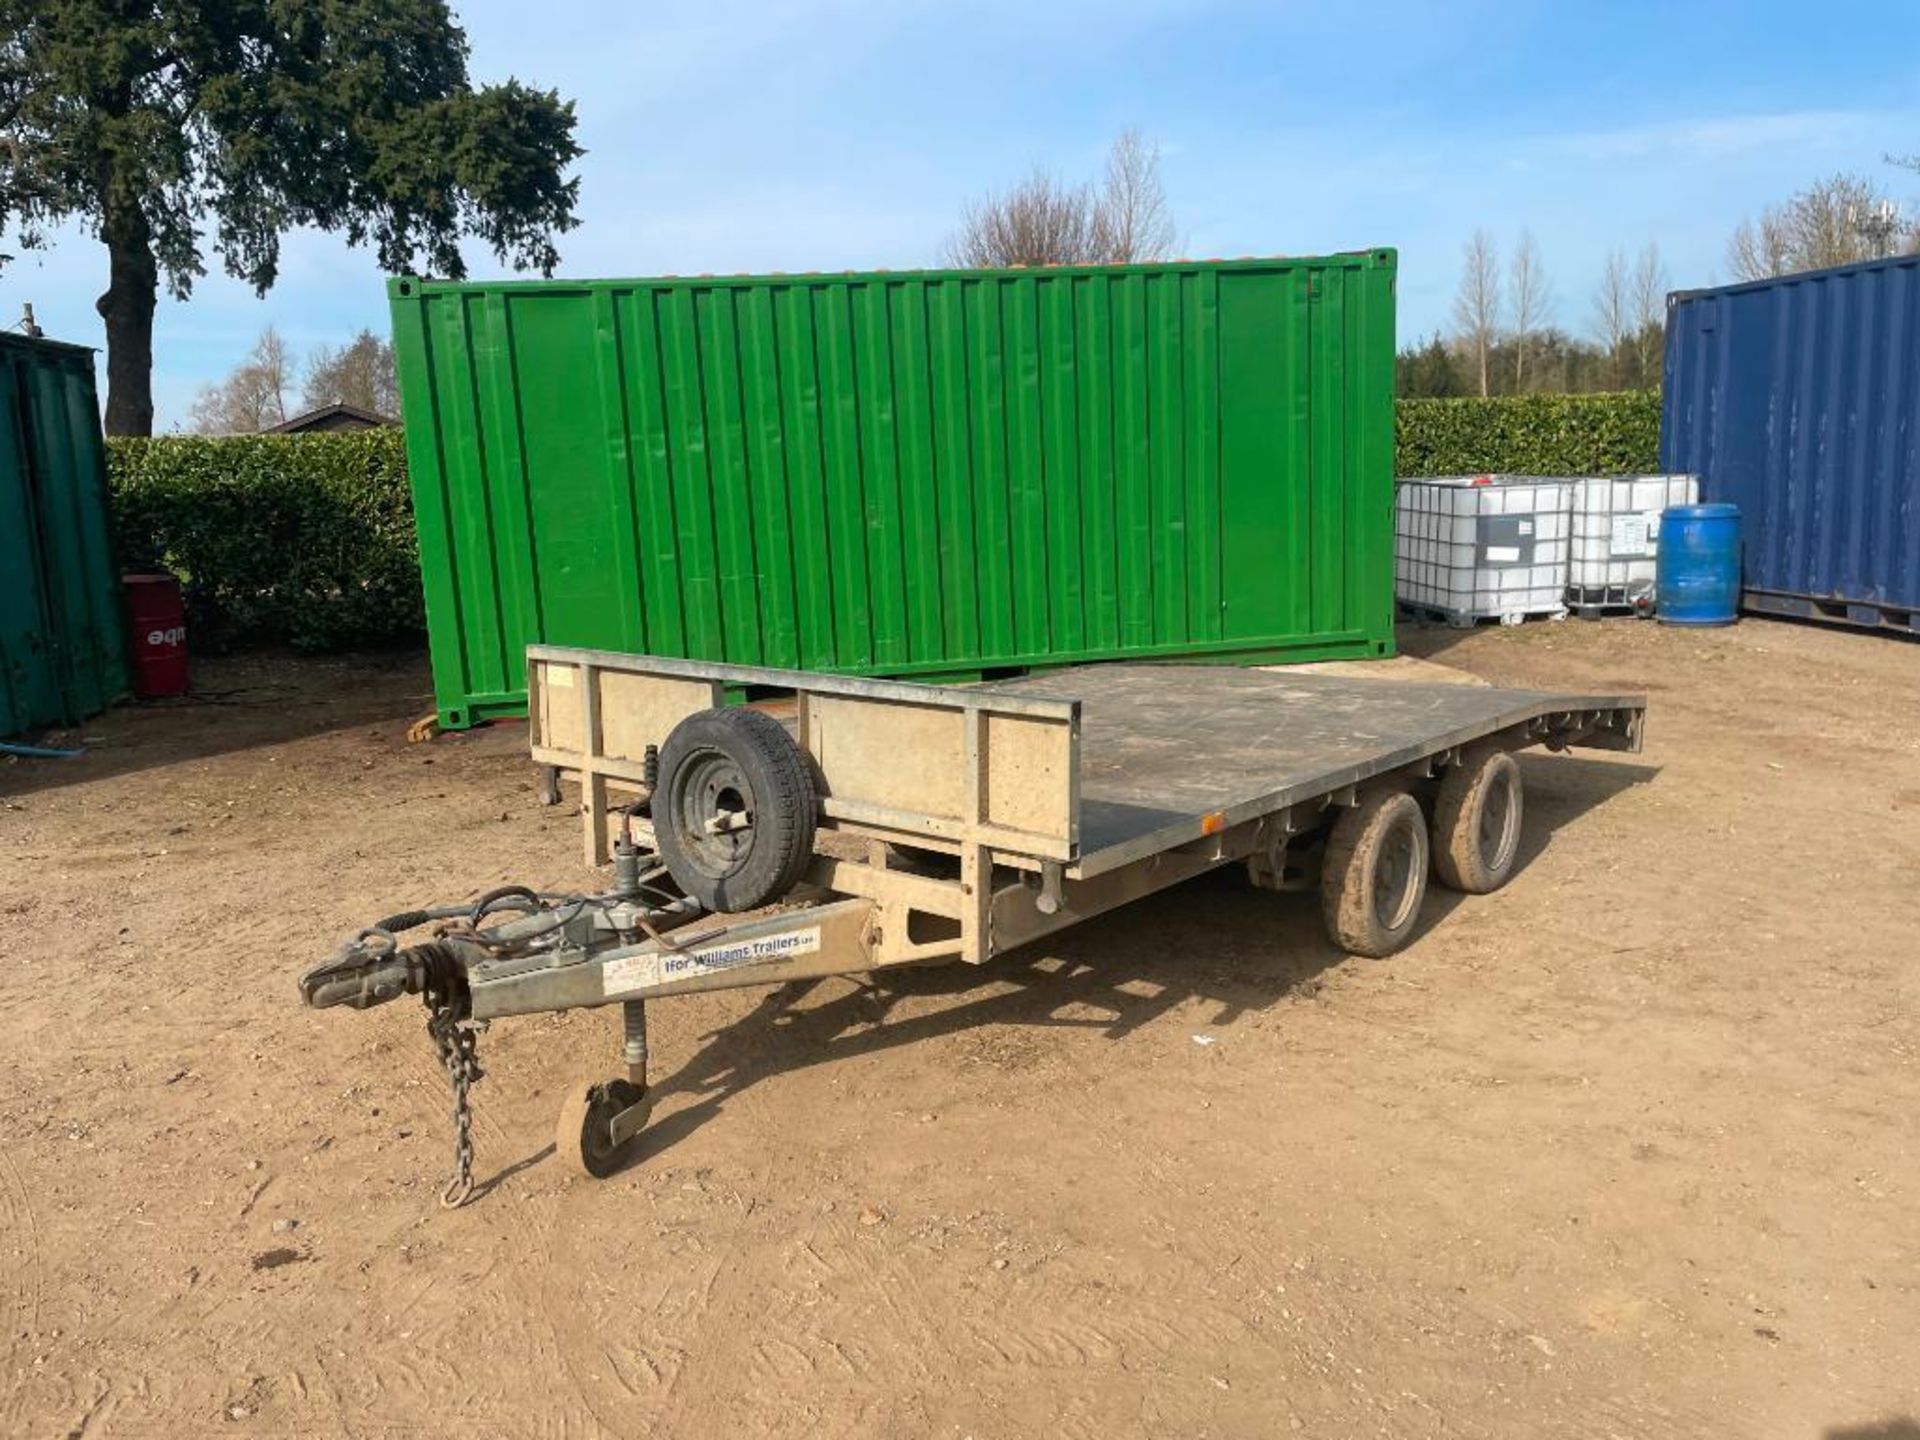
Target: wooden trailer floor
(1163, 748)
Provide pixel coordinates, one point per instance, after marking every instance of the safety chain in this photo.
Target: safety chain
(458, 1046)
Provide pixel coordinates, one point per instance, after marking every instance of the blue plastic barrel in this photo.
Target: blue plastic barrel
(1698, 568)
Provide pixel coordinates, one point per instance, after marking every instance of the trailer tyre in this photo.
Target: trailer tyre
(1375, 874)
(1476, 824)
(584, 1134)
(734, 810)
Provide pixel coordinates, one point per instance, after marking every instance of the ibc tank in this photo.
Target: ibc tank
(1699, 565)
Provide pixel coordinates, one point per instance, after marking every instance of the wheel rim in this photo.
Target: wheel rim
(1396, 877)
(1498, 832)
(712, 811)
(600, 1156)
(596, 1138)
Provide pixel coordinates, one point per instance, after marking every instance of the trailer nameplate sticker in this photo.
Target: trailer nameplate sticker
(638, 972)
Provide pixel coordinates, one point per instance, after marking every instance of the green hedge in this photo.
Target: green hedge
(304, 540)
(1606, 434)
(308, 539)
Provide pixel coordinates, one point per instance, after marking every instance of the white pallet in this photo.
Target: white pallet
(1616, 532)
(1470, 548)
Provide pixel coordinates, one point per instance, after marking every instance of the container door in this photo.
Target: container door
(29, 688)
(79, 580)
(1265, 455)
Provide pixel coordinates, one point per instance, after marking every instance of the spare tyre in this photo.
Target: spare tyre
(733, 811)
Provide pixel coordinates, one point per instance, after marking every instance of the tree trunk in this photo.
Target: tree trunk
(127, 307)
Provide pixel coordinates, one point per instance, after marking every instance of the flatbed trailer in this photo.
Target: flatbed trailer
(767, 826)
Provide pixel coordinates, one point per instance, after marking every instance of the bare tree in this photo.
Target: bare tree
(1045, 221)
(1613, 311)
(1476, 309)
(1834, 221)
(1649, 312)
(1759, 248)
(1531, 295)
(358, 373)
(1130, 217)
(253, 396)
(1041, 221)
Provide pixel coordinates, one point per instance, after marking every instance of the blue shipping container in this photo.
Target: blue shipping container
(1798, 399)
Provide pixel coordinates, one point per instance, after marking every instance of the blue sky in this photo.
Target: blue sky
(726, 136)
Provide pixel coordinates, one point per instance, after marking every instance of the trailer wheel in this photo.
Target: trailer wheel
(1375, 874)
(584, 1134)
(734, 809)
(1476, 824)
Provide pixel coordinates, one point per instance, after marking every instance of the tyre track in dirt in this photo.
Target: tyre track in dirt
(699, 1329)
(21, 1283)
(833, 1284)
(437, 1343)
(1164, 1187)
(1484, 1189)
(691, 1318)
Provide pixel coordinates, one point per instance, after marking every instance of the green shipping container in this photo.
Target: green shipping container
(914, 473)
(63, 642)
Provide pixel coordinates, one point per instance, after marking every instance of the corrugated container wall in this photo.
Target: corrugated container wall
(63, 649)
(1798, 400)
(903, 473)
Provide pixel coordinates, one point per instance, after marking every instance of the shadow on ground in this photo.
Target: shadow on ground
(1214, 939)
(238, 703)
(1431, 639)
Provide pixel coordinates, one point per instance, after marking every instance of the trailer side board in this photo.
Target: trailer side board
(961, 767)
(1060, 796)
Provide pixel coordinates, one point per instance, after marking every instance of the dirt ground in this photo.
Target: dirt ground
(1627, 1149)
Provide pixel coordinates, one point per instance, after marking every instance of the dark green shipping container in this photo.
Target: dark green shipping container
(63, 645)
(903, 473)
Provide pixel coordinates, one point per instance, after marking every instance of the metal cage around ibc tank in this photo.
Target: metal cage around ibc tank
(1469, 548)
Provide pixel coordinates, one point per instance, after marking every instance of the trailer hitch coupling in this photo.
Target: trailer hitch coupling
(370, 970)
(511, 933)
